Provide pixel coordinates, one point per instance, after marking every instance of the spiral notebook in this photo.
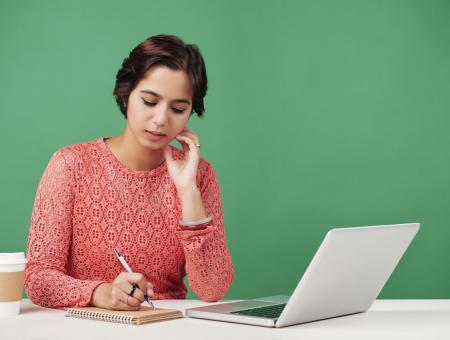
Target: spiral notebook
(142, 316)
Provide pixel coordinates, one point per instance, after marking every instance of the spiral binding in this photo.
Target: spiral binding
(117, 318)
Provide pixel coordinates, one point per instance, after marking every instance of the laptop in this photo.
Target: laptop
(344, 277)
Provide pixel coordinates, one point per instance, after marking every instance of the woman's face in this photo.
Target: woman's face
(161, 102)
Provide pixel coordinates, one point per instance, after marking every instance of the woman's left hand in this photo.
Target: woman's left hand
(184, 171)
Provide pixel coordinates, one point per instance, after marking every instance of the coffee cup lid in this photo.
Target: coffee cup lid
(12, 258)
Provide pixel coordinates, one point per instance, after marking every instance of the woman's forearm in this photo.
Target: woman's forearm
(192, 207)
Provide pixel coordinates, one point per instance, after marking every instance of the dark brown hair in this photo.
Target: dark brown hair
(167, 50)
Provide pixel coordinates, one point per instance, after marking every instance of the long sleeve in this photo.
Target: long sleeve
(50, 238)
(208, 263)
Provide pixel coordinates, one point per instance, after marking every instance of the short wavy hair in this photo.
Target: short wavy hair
(167, 50)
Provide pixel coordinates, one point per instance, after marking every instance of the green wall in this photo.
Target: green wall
(318, 114)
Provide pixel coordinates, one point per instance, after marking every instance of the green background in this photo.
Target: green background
(319, 114)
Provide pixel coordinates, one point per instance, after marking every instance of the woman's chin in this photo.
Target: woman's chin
(152, 145)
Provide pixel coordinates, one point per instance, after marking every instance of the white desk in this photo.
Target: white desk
(387, 319)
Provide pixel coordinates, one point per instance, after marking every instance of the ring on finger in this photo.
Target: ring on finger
(127, 300)
(132, 290)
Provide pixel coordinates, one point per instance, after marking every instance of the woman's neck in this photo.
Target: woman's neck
(132, 154)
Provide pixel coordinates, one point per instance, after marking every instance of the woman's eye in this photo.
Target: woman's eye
(153, 104)
(148, 103)
(177, 110)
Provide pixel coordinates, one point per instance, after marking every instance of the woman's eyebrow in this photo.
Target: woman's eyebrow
(187, 101)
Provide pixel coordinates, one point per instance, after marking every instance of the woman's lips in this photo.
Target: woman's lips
(154, 135)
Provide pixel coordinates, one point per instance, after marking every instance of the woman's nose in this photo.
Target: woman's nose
(160, 116)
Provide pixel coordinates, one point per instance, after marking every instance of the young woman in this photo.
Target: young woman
(158, 205)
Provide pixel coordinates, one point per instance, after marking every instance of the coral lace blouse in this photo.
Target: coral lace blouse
(87, 202)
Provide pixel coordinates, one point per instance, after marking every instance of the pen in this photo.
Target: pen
(128, 269)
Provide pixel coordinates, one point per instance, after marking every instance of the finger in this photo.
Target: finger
(127, 288)
(168, 154)
(190, 142)
(120, 305)
(126, 282)
(124, 301)
(192, 136)
(182, 140)
(139, 279)
(142, 285)
(195, 139)
(130, 301)
(138, 294)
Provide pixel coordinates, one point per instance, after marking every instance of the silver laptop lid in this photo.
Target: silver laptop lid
(347, 272)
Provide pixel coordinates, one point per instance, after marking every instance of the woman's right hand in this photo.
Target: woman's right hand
(115, 295)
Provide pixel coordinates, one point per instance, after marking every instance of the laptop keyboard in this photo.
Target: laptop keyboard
(271, 312)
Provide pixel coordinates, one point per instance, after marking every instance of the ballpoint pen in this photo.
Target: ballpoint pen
(128, 269)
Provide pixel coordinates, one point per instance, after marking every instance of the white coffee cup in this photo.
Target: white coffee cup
(12, 269)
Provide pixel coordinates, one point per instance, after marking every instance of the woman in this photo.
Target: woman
(158, 205)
